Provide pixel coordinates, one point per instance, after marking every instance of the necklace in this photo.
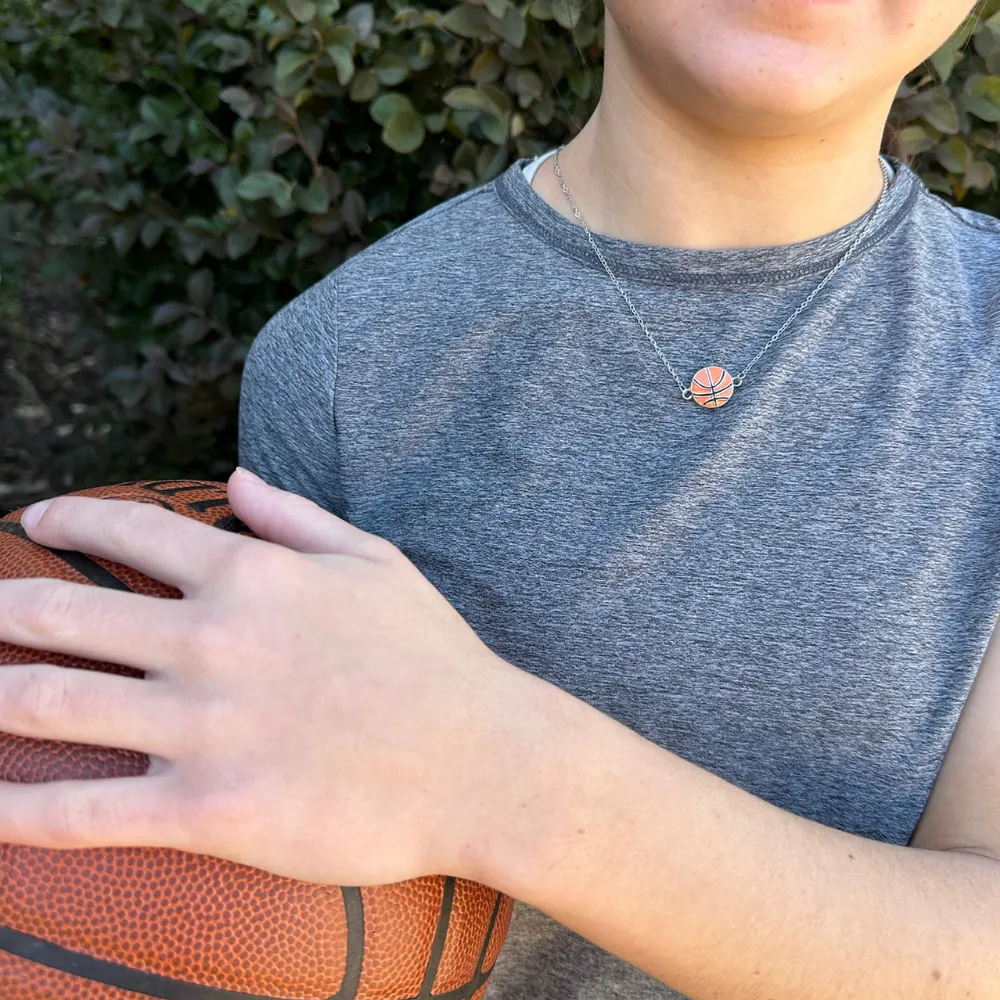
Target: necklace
(713, 386)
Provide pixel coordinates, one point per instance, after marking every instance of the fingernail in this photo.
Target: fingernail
(33, 514)
(240, 471)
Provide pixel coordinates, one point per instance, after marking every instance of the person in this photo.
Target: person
(629, 542)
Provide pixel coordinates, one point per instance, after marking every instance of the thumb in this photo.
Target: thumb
(295, 522)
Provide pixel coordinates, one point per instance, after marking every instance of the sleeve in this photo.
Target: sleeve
(287, 423)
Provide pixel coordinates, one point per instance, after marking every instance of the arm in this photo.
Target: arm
(287, 423)
(724, 896)
(325, 645)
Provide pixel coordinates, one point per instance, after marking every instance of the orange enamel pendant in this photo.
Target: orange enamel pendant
(712, 387)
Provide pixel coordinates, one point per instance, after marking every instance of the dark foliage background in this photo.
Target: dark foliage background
(172, 173)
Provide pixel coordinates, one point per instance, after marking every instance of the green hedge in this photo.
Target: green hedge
(194, 165)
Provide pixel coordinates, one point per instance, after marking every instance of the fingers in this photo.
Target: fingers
(148, 633)
(83, 706)
(114, 812)
(166, 546)
(297, 523)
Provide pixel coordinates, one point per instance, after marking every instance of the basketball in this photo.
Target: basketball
(712, 387)
(123, 924)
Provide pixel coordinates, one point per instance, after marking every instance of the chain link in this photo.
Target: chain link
(739, 378)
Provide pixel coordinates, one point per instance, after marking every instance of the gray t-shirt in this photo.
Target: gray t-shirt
(793, 591)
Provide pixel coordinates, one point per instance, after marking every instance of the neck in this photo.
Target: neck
(645, 171)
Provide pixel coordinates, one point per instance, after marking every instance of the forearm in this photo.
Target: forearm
(724, 896)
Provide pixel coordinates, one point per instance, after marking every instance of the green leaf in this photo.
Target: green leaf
(142, 132)
(980, 175)
(124, 235)
(944, 61)
(388, 105)
(914, 140)
(152, 230)
(580, 82)
(263, 184)
(436, 122)
(391, 69)
(233, 50)
(566, 12)
(240, 240)
(117, 198)
(404, 132)
(341, 34)
(294, 85)
(224, 181)
(528, 86)
(512, 27)
(200, 287)
(942, 113)
(983, 98)
(288, 61)
(203, 165)
(240, 100)
(207, 95)
(111, 12)
(243, 132)
(466, 99)
(192, 246)
(496, 129)
(193, 329)
(489, 163)
(343, 61)
(156, 112)
(354, 210)
(361, 19)
(302, 10)
(331, 181)
(498, 101)
(468, 22)
(953, 156)
(313, 199)
(169, 312)
(364, 86)
(487, 68)
(310, 244)
(496, 7)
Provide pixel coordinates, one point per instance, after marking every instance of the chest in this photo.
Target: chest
(795, 600)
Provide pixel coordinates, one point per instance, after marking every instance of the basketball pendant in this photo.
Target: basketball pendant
(712, 387)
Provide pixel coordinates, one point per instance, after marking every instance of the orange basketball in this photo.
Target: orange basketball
(123, 924)
(712, 387)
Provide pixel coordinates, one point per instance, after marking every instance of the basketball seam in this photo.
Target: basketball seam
(440, 936)
(75, 963)
(83, 564)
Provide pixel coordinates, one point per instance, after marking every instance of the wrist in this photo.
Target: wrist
(548, 778)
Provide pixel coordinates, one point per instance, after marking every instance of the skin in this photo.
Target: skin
(315, 708)
(720, 120)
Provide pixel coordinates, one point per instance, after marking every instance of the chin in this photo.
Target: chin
(774, 65)
(781, 100)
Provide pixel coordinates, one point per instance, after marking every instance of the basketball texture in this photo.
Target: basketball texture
(121, 924)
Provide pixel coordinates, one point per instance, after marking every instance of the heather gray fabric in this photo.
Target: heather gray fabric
(793, 592)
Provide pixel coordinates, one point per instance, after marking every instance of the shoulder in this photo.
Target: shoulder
(973, 226)
(957, 250)
(440, 234)
(972, 235)
(446, 258)
(455, 257)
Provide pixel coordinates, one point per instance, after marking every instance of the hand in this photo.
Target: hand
(312, 706)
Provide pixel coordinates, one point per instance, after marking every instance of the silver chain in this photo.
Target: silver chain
(740, 376)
